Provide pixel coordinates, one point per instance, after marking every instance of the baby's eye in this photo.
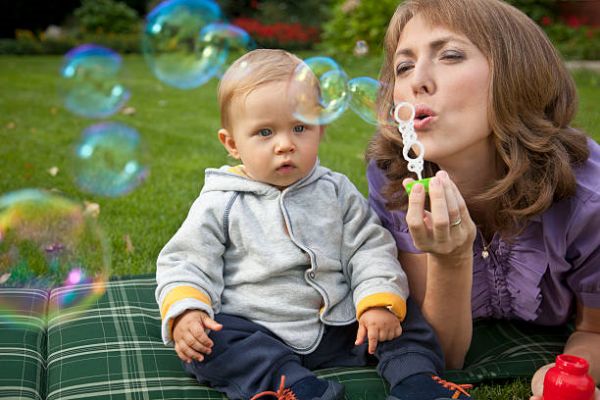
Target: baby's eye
(265, 132)
(299, 128)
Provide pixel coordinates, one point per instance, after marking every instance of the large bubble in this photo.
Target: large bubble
(173, 46)
(364, 91)
(233, 40)
(90, 84)
(48, 242)
(110, 159)
(318, 90)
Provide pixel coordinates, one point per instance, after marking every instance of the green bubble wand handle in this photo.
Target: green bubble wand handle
(406, 127)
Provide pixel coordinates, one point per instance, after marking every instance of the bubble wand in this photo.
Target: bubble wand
(406, 127)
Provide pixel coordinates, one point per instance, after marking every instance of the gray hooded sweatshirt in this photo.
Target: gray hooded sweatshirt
(292, 260)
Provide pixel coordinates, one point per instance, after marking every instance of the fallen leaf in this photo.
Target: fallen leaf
(11, 125)
(128, 244)
(53, 110)
(53, 171)
(92, 209)
(128, 111)
(33, 130)
(4, 277)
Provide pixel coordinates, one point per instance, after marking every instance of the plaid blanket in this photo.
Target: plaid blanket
(114, 351)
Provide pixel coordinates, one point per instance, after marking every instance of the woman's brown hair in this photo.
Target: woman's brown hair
(531, 104)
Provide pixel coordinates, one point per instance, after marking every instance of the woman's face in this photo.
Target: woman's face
(445, 76)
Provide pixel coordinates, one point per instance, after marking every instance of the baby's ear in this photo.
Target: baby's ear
(227, 140)
(321, 131)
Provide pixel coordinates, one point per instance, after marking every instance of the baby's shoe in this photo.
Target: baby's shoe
(309, 388)
(428, 387)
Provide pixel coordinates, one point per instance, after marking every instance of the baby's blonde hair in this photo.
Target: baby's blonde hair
(252, 70)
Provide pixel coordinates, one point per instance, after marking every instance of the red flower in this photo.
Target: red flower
(575, 22)
(546, 20)
(280, 33)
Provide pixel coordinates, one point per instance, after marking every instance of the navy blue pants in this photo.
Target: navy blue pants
(247, 358)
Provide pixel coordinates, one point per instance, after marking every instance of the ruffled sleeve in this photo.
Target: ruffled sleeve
(394, 221)
(583, 239)
(583, 251)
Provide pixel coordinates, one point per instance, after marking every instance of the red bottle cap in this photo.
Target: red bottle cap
(569, 380)
(572, 364)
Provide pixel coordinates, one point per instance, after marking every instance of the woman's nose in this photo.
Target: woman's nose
(422, 79)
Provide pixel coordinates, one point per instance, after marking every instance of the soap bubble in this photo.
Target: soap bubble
(232, 39)
(318, 90)
(49, 242)
(361, 48)
(109, 159)
(90, 84)
(364, 91)
(172, 43)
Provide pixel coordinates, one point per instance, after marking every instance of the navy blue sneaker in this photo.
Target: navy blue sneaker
(428, 387)
(328, 390)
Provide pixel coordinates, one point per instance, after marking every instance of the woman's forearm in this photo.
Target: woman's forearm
(586, 345)
(447, 305)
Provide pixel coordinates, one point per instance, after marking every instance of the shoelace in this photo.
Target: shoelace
(281, 394)
(453, 386)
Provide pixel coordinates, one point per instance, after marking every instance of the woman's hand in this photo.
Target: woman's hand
(447, 230)
(537, 383)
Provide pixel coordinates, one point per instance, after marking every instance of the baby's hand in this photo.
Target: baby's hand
(378, 324)
(190, 337)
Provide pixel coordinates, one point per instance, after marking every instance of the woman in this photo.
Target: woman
(509, 228)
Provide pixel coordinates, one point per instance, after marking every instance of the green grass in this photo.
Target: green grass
(179, 130)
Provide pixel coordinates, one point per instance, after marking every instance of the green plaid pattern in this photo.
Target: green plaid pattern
(114, 351)
(509, 349)
(22, 343)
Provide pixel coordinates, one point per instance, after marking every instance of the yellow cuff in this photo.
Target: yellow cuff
(391, 301)
(179, 293)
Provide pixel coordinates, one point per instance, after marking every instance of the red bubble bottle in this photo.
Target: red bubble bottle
(569, 380)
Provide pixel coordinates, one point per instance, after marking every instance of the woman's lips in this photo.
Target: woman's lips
(421, 124)
(423, 116)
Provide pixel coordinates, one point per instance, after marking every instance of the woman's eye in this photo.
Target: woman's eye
(403, 67)
(452, 55)
(265, 132)
(299, 128)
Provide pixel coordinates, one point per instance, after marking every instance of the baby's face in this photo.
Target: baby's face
(274, 146)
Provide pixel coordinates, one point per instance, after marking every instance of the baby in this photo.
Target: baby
(281, 267)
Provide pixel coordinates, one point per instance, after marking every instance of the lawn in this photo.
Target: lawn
(179, 130)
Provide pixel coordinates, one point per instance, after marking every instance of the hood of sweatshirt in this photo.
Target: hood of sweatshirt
(230, 178)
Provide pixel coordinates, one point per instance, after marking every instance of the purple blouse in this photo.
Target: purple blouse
(538, 276)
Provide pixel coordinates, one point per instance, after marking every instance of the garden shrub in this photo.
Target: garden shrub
(575, 42)
(354, 20)
(106, 16)
(279, 35)
(536, 9)
(27, 42)
(286, 24)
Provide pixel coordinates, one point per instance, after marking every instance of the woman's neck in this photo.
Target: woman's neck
(473, 172)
